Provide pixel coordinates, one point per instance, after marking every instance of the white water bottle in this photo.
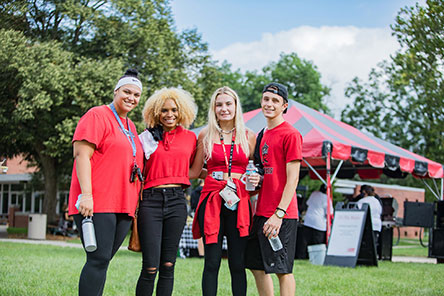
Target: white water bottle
(275, 243)
(89, 234)
(250, 170)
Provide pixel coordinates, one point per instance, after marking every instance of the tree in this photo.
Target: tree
(403, 100)
(44, 91)
(300, 76)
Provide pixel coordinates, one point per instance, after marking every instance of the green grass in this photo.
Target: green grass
(49, 270)
(411, 248)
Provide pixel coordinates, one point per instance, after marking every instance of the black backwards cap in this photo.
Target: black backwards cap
(278, 89)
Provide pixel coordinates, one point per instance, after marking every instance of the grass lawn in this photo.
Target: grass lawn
(50, 270)
(410, 247)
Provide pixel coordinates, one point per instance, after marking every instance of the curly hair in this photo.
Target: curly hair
(186, 106)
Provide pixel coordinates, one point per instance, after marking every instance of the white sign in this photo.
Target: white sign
(345, 234)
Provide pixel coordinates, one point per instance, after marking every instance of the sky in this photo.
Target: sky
(342, 38)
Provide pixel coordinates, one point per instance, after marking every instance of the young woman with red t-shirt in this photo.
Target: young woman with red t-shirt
(106, 152)
(226, 145)
(162, 210)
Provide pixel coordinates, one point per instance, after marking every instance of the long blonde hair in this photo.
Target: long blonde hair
(213, 126)
(186, 106)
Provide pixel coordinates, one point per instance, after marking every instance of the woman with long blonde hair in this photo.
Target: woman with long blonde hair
(226, 146)
(169, 149)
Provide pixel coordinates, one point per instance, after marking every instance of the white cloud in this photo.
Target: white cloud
(339, 53)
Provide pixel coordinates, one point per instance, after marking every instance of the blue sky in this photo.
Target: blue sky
(225, 22)
(343, 39)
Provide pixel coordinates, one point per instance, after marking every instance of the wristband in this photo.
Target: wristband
(281, 209)
(85, 196)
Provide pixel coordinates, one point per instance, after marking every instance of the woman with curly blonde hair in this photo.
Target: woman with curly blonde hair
(227, 147)
(169, 149)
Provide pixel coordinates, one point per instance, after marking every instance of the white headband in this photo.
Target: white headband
(128, 80)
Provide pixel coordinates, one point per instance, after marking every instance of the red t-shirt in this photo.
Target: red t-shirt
(279, 146)
(170, 163)
(111, 163)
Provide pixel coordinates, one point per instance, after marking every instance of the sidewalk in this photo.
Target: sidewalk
(414, 259)
(60, 243)
(41, 242)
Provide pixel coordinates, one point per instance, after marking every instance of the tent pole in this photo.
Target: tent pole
(314, 171)
(442, 188)
(436, 186)
(329, 193)
(436, 194)
(336, 171)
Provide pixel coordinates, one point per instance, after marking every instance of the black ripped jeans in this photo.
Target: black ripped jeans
(110, 229)
(162, 217)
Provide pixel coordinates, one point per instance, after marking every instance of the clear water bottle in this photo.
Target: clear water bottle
(275, 243)
(250, 170)
(89, 234)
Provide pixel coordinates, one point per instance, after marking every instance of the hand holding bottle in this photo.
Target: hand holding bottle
(252, 177)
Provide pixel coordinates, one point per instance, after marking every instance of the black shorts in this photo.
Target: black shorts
(260, 255)
(314, 236)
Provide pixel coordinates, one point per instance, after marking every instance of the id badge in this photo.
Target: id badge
(229, 194)
(219, 175)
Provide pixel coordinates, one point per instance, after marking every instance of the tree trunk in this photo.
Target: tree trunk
(50, 200)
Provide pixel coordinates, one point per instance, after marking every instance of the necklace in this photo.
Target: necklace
(224, 131)
(167, 140)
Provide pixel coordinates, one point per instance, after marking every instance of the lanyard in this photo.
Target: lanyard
(129, 135)
(228, 164)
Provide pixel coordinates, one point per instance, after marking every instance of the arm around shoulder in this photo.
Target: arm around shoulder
(197, 165)
(251, 137)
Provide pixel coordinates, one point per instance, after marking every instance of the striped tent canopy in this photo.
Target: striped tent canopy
(362, 153)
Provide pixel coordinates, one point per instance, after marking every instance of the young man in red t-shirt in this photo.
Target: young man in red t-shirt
(277, 212)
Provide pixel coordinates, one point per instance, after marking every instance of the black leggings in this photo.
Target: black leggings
(162, 217)
(213, 254)
(111, 229)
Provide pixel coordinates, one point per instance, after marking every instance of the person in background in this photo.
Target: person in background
(315, 219)
(375, 210)
(170, 150)
(277, 211)
(107, 154)
(66, 222)
(226, 145)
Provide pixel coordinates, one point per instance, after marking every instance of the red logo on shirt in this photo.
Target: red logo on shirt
(265, 154)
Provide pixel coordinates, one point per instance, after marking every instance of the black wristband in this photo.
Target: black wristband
(278, 208)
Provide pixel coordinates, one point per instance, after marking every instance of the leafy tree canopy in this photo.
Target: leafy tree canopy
(300, 76)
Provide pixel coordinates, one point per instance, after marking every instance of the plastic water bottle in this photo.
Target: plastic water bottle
(250, 170)
(89, 234)
(275, 243)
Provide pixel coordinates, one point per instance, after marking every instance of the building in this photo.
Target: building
(399, 193)
(16, 190)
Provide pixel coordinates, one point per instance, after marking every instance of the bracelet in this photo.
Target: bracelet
(85, 196)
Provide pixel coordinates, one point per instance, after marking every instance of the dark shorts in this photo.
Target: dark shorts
(260, 255)
(314, 236)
